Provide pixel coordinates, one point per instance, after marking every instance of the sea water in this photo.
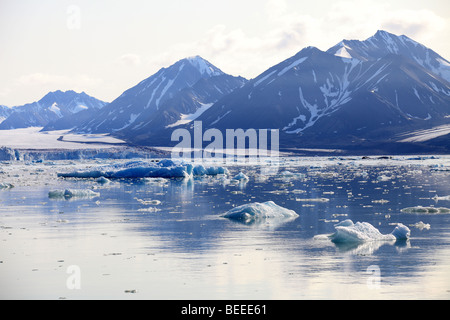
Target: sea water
(159, 238)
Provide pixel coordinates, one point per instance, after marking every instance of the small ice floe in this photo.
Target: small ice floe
(312, 199)
(384, 178)
(254, 212)
(426, 210)
(291, 175)
(241, 177)
(150, 209)
(72, 193)
(4, 185)
(103, 180)
(421, 226)
(200, 170)
(444, 198)
(382, 201)
(349, 232)
(148, 202)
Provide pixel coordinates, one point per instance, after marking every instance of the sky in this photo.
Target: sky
(105, 47)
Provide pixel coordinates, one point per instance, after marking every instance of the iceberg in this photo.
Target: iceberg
(349, 232)
(200, 170)
(139, 169)
(241, 177)
(103, 180)
(252, 212)
(72, 193)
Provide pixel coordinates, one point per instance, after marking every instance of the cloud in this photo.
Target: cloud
(45, 79)
(31, 87)
(129, 60)
(420, 24)
(237, 52)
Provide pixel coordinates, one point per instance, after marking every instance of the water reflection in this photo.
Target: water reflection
(185, 249)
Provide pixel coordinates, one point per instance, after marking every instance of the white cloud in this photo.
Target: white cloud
(32, 87)
(45, 79)
(237, 52)
(129, 60)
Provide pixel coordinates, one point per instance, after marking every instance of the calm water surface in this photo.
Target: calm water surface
(123, 244)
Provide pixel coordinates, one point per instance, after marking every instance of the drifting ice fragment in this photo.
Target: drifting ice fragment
(347, 231)
(249, 213)
(437, 198)
(200, 170)
(241, 177)
(421, 226)
(70, 193)
(428, 210)
(312, 200)
(103, 180)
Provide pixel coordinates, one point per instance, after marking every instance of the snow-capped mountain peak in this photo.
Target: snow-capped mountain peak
(53, 106)
(134, 109)
(383, 43)
(205, 68)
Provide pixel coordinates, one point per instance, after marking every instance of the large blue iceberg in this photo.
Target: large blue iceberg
(138, 169)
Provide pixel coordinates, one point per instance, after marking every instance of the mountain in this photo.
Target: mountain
(163, 98)
(185, 106)
(356, 93)
(52, 107)
(5, 112)
(384, 43)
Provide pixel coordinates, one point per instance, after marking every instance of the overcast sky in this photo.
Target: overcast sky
(104, 47)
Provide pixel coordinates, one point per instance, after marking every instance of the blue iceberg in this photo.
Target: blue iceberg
(139, 169)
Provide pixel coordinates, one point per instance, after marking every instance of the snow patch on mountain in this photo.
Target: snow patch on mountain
(187, 118)
(292, 65)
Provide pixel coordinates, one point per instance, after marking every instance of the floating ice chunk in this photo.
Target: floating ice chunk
(427, 210)
(384, 178)
(437, 198)
(382, 201)
(150, 209)
(401, 232)
(103, 180)
(148, 202)
(249, 213)
(4, 185)
(347, 231)
(200, 170)
(72, 193)
(313, 200)
(421, 225)
(241, 177)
